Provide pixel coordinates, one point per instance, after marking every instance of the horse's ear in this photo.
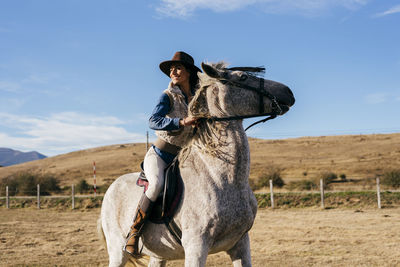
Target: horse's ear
(210, 71)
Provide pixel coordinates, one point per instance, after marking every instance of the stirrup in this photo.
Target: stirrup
(138, 255)
(135, 254)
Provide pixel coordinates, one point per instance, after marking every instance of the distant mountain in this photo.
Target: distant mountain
(10, 157)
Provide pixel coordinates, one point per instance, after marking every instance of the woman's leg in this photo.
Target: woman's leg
(154, 168)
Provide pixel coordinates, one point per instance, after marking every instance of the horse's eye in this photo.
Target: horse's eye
(243, 77)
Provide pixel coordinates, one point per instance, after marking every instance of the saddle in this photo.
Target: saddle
(168, 201)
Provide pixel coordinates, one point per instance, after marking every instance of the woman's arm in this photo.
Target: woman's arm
(158, 121)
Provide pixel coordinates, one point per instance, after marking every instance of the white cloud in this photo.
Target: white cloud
(376, 98)
(393, 10)
(40, 78)
(185, 8)
(63, 132)
(9, 86)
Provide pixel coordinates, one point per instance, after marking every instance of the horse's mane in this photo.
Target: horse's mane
(209, 137)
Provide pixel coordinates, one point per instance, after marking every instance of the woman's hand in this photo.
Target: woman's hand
(188, 121)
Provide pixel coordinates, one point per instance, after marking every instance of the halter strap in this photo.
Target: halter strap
(276, 109)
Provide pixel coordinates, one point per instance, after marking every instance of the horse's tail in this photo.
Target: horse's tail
(133, 262)
(141, 262)
(100, 233)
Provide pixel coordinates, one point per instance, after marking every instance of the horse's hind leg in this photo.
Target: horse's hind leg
(115, 243)
(117, 258)
(240, 253)
(156, 262)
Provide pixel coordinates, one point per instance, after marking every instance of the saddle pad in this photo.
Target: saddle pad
(142, 181)
(169, 199)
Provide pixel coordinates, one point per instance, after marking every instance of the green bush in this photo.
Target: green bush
(302, 185)
(273, 174)
(328, 177)
(25, 184)
(48, 184)
(83, 187)
(391, 178)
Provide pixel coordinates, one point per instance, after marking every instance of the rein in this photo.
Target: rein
(276, 109)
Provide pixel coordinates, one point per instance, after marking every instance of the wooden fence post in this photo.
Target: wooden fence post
(73, 196)
(321, 184)
(7, 198)
(38, 196)
(271, 187)
(378, 191)
(94, 178)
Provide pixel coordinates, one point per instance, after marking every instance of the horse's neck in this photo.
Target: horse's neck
(226, 153)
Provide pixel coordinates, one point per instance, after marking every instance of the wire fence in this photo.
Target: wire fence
(269, 199)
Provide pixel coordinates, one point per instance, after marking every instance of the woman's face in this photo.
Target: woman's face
(179, 74)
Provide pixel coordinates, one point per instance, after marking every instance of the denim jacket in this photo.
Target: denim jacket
(158, 121)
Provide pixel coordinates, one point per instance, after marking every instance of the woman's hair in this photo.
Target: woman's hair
(193, 79)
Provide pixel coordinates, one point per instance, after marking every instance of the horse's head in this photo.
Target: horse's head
(238, 93)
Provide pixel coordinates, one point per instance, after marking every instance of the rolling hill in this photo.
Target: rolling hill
(356, 156)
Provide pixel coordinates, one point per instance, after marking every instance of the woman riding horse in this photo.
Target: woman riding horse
(173, 127)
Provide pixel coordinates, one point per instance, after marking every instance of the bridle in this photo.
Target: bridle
(276, 109)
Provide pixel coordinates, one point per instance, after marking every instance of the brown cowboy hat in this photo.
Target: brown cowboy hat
(179, 57)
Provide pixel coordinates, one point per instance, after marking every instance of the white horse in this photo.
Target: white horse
(218, 207)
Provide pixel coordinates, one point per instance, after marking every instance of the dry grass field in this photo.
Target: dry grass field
(356, 156)
(349, 234)
(293, 237)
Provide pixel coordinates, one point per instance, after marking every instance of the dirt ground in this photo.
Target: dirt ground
(292, 237)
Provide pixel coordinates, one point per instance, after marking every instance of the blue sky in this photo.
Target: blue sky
(77, 74)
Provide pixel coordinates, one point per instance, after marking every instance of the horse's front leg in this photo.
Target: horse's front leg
(196, 250)
(240, 253)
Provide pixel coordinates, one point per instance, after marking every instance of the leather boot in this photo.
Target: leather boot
(142, 213)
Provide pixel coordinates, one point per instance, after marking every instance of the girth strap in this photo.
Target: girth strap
(174, 230)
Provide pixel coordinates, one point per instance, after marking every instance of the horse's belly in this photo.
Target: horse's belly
(160, 243)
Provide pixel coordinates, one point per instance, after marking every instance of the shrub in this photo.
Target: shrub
(83, 187)
(273, 174)
(392, 178)
(48, 184)
(302, 185)
(25, 184)
(328, 177)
